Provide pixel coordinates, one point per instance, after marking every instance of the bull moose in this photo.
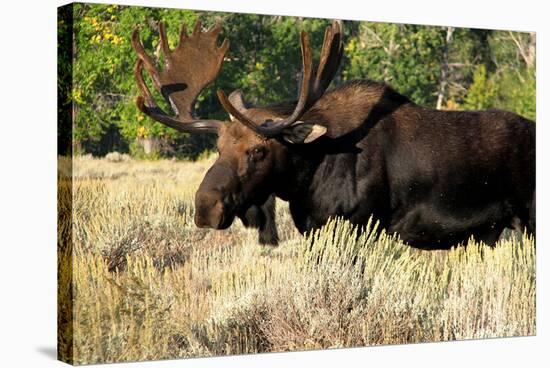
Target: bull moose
(359, 150)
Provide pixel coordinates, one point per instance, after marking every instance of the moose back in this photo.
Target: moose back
(359, 150)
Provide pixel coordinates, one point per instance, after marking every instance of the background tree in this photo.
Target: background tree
(444, 67)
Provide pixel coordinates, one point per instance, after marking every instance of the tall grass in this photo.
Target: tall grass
(147, 284)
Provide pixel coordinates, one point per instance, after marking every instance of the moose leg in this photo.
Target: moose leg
(263, 218)
(531, 222)
(268, 230)
(490, 236)
(526, 221)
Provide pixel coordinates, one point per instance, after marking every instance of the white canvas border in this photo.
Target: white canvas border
(28, 195)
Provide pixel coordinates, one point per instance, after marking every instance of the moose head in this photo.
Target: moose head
(254, 145)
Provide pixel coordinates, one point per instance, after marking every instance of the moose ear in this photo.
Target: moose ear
(301, 132)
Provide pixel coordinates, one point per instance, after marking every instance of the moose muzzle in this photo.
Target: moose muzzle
(210, 207)
(208, 210)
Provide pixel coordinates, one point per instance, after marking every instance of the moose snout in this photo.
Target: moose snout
(210, 201)
(209, 210)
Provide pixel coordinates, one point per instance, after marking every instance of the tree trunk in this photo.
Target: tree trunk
(531, 50)
(527, 49)
(444, 80)
(149, 144)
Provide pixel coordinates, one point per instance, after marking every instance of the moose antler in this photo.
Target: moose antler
(188, 69)
(314, 83)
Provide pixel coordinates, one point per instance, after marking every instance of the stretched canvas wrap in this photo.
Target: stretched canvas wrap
(240, 183)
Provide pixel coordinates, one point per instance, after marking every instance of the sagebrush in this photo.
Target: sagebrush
(141, 282)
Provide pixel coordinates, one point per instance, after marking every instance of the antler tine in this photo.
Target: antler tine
(216, 29)
(145, 92)
(183, 34)
(224, 46)
(197, 28)
(305, 87)
(144, 56)
(331, 55)
(164, 41)
(237, 100)
(311, 89)
(237, 114)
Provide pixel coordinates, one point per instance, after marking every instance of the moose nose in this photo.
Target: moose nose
(208, 210)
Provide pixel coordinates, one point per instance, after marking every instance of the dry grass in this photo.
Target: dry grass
(147, 284)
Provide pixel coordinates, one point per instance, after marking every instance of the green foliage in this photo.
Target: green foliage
(264, 61)
(517, 92)
(512, 83)
(405, 56)
(481, 92)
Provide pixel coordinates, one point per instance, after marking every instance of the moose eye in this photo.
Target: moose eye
(257, 153)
